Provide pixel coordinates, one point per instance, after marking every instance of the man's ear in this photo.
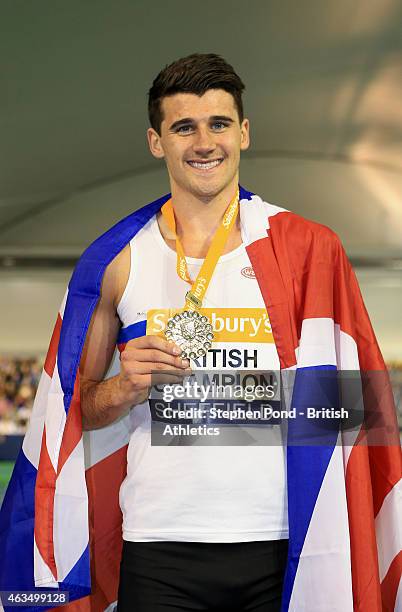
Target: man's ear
(245, 135)
(154, 143)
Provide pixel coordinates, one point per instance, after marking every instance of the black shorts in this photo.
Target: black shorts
(173, 576)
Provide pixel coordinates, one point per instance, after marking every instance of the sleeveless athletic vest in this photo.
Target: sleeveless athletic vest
(211, 491)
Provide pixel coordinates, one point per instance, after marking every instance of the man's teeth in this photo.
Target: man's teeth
(205, 165)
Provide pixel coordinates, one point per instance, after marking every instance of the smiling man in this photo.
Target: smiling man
(211, 513)
(204, 525)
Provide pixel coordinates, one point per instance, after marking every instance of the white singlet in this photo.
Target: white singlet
(199, 492)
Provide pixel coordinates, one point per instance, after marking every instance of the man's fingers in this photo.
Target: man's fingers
(150, 367)
(162, 377)
(155, 356)
(152, 360)
(169, 377)
(154, 342)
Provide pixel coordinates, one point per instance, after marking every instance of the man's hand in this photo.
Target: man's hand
(147, 361)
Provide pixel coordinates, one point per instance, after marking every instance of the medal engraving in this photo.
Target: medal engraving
(192, 331)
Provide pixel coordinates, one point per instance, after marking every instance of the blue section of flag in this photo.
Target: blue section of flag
(17, 538)
(244, 194)
(77, 582)
(310, 445)
(17, 528)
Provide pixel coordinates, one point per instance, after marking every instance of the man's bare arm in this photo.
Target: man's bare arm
(104, 401)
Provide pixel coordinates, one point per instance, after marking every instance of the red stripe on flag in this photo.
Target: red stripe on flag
(363, 547)
(44, 507)
(390, 584)
(73, 428)
(52, 351)
(380, 435)
(303, 274)
(272, 289)
(385, 466)
(105, 519)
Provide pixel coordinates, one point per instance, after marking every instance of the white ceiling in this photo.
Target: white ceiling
(324, 91)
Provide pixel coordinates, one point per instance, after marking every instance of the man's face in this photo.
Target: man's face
(201, 139)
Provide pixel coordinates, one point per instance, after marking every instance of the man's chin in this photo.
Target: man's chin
(209, 188)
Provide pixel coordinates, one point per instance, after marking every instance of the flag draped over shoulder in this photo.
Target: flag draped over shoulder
(344, 495)
(60, 523)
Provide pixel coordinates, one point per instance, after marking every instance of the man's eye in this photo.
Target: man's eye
(184, 129)
(218, 125)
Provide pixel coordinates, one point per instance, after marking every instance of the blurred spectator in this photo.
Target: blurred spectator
(19, 380)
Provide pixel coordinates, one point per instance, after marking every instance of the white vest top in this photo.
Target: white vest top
(203, 492)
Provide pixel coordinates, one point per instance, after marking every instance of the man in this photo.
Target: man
(257, 526)
(219, 562)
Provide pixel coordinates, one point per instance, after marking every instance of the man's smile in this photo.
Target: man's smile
(205, 165)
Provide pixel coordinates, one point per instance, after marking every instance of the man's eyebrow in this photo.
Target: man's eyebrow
(188, 120)
(180, 122)
(222, 118)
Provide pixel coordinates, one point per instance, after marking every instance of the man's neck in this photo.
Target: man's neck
(197, 222)
(199, 217)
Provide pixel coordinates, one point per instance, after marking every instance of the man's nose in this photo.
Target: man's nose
(203, 141)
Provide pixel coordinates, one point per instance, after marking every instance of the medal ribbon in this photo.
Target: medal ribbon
(199, 287)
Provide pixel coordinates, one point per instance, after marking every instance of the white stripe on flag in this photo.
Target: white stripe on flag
(100, 443)
(316, 343)
(63, 304)
(254, 216)
(347, 356)
(388, 526)
(55, 418)
(43, 575)
(114, 367)
(70, 528)
(33, 438)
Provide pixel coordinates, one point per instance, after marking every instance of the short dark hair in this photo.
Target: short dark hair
(194, 74)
